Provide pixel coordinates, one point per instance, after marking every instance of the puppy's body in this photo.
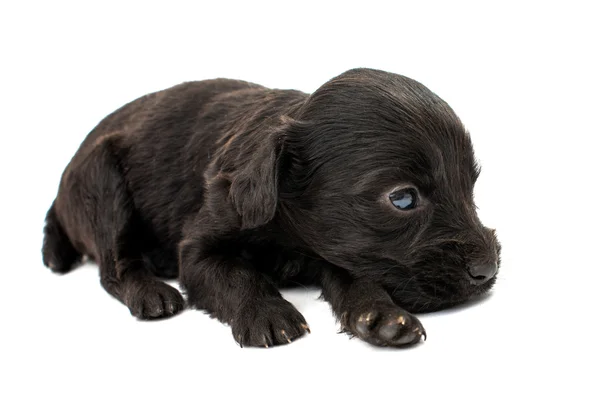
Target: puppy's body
(239, 189)
(163, 144)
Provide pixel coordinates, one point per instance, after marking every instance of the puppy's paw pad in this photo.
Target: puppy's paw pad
(268, 323)
(154, 300)
(386, 326)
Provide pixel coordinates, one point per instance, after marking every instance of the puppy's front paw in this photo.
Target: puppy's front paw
(153, 300)
(384, 325)
(268, 323)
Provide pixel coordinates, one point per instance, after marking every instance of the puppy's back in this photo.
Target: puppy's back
(164, 141)
(164, 107)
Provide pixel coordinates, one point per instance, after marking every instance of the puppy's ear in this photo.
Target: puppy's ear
(254, 184)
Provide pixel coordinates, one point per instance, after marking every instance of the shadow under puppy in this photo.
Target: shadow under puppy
(364, 188)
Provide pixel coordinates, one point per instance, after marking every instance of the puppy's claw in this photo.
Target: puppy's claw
(305, 327)
(286, 336)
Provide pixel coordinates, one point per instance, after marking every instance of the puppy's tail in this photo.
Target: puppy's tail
(58, 253)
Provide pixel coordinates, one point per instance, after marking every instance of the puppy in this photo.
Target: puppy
(363, 188)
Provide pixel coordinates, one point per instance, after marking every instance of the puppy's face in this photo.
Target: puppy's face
(384, 173)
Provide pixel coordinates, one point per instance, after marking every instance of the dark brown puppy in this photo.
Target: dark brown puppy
(364, 188)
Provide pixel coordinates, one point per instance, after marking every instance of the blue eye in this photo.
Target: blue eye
(404, 199)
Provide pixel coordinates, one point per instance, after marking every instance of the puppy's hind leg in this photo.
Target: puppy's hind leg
(121, 238)
(58, 253)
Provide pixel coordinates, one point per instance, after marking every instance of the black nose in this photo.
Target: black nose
(479, 274)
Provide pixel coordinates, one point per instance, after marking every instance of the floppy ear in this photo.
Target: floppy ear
(254, 183)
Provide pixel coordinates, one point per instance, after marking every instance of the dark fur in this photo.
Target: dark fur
(238, 190)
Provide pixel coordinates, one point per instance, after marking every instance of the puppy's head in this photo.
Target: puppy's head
(378, 178)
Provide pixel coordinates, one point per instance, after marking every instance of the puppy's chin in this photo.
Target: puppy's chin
(422, 295)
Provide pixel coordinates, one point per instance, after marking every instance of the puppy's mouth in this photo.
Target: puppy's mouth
(430, 293)
(445, 276)
(444, 295)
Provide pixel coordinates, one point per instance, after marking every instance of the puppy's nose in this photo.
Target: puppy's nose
(479, 274)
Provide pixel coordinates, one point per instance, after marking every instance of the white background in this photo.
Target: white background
(523, 76)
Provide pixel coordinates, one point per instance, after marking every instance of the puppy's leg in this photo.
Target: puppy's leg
(366, 310)
(58, 253)
(106, 214)
(229, 289)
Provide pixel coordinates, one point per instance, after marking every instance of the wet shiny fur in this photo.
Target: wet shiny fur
(238, 190)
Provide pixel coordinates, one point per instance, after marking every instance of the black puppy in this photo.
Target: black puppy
(364, 188)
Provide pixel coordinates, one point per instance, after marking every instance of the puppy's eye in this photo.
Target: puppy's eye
(404, 199)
